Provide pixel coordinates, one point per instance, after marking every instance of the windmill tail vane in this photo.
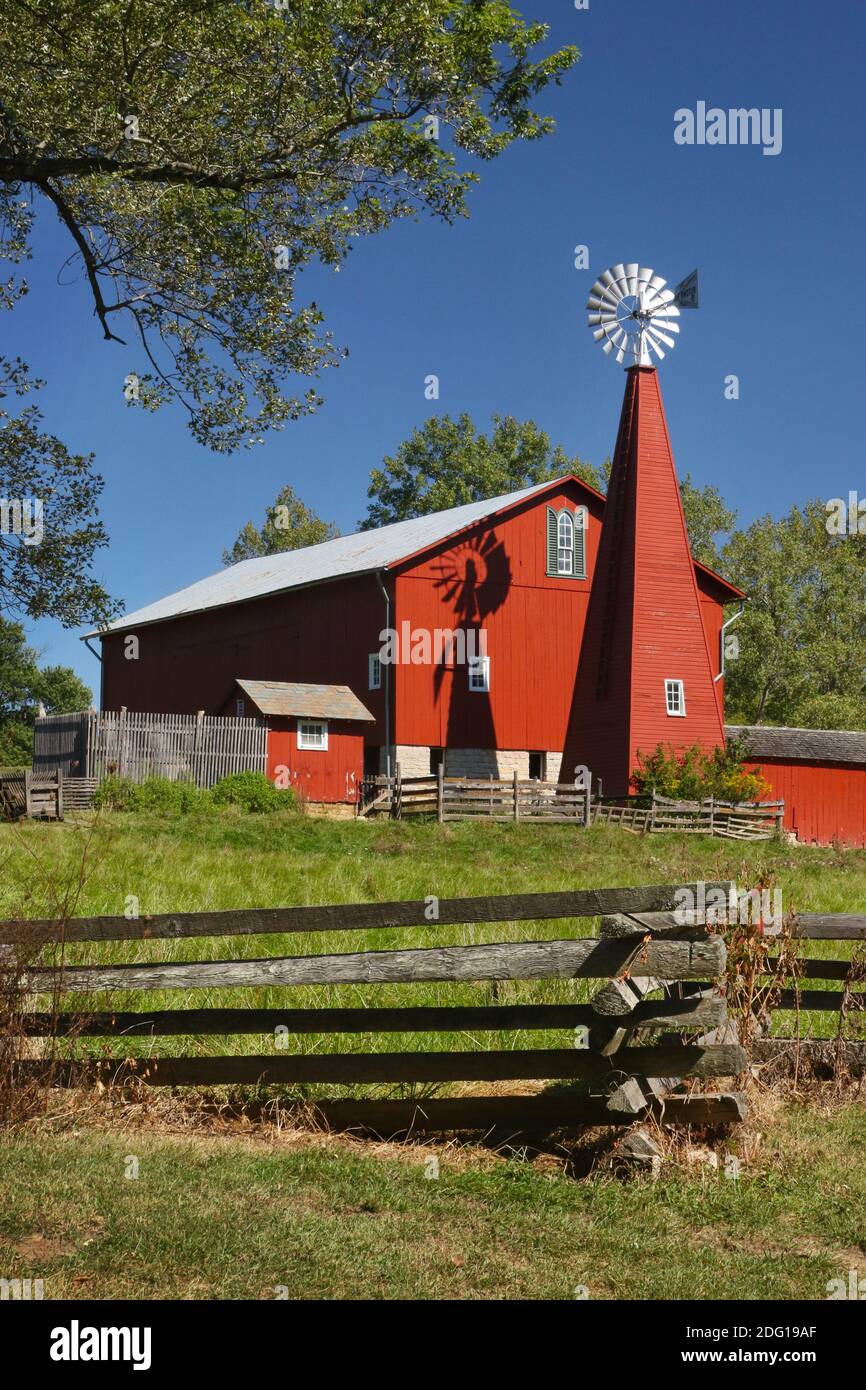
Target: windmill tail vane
(633, 314)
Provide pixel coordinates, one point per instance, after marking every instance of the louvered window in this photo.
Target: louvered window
(566, 542)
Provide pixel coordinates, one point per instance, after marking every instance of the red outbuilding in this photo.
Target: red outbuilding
(819, 773)
(315, 735)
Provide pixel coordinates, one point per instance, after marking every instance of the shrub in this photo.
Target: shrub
(692, 774)
(251, 791)
(115, 794)
(158, 794)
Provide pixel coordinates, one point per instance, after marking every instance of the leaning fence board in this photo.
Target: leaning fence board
(510, 907)
(656, 1013)
(352, 1068)
(582, 958)
(553, 1110)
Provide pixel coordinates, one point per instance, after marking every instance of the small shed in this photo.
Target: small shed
(315, 735)
(819, 773)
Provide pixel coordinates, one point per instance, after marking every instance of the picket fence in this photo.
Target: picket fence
(183, 747)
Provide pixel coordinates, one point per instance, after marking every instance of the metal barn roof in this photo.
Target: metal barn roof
(290, 698)
(360, 553)
(364, 552)
(801, 745)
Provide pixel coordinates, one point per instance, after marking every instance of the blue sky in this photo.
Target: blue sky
(495, 307)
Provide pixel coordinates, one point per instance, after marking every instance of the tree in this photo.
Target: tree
(288, 525)
(708, 518)
(23, 686)
(49, 524)
(200, 155)
(447, 463)
(803, 632)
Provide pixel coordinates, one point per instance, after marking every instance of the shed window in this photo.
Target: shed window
(566, 542)
(313, 734)
(479, 673)
(538, 766)
(675, 698)
(374, 671)
(240, 708)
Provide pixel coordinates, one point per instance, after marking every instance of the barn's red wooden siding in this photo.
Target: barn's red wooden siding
(325, 634)
(322, 635)
(646, 622)
(494, 577)
(332, 774)
(825, 803)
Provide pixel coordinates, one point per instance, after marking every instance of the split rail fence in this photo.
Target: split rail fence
(616, 1074)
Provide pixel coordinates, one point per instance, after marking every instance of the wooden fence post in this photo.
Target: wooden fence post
(28, 803)
(59, 794)
(516, 798)
(712, 815)
(397, 799)
(440, 791)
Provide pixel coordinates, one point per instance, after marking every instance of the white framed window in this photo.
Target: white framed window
(240, 708)
(565, 544)
(479, 673)
(675, 698)
(374, 671)
(313, 734)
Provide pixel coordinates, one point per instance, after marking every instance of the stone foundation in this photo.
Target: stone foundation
(501, 763)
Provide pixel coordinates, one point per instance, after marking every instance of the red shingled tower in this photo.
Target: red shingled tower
(644, 625)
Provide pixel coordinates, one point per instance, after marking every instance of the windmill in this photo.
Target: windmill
(633, 314)
(647, 667)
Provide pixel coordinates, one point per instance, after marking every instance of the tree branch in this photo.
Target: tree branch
(90, 264)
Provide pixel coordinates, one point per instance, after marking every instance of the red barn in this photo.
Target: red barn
(819, 773)
(514, 572)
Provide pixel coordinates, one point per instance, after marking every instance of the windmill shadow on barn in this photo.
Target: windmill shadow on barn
(475, 582)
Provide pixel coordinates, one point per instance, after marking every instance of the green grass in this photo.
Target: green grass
(231, 1218)
(199, 863)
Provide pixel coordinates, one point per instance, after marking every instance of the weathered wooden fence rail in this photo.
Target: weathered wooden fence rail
(189, 747)
(758, 820)
(663, 979)
(485, 798)
(607, 1066)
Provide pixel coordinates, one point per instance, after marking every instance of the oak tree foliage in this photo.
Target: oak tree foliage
(200, 154)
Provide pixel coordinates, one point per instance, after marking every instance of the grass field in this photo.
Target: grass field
(198, 863)
(240, 1218)
(245, 1215)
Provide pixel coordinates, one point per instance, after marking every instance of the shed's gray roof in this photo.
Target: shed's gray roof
(290, 698)
(802, 745)
(356, 554)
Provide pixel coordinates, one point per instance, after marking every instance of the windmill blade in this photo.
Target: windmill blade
(620, 279)
(602, 301)
(631, 271)
(656, 332)
(606, 279)
(604, 291)
(651, 340)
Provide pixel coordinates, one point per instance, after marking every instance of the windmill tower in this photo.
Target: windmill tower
(645, 674)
